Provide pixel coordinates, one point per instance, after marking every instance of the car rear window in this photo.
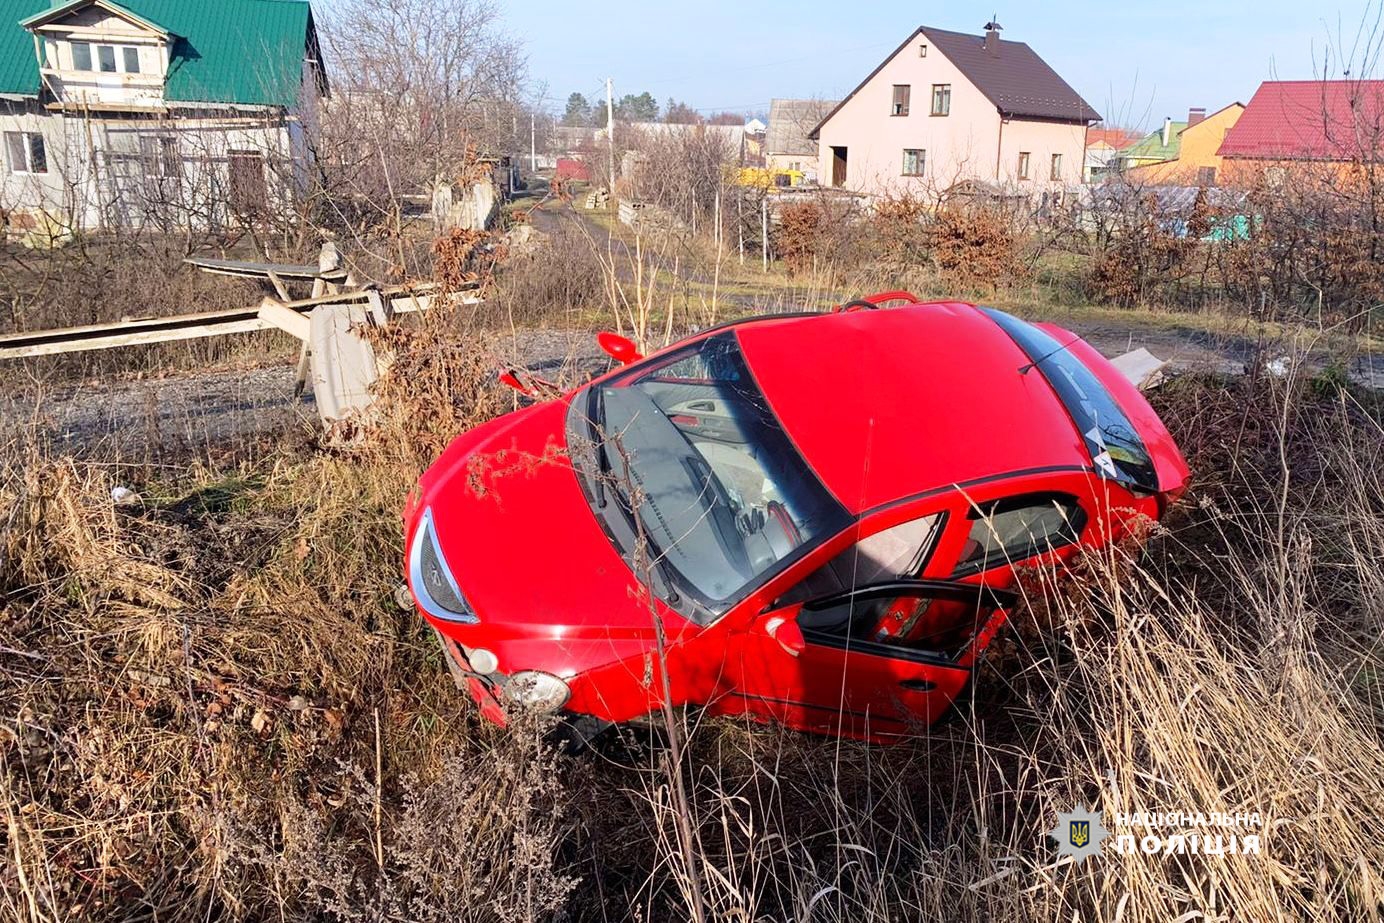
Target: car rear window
(1116, 449)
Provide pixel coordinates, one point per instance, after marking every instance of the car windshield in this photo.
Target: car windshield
(705, 474)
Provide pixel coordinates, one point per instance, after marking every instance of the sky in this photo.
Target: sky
(1134, 62)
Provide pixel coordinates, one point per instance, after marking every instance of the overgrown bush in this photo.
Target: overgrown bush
(977, 246)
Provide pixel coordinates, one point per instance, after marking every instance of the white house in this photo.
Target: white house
(166, 112)
(949, 107)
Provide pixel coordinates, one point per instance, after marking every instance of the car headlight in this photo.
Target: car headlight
(537, 690)
(431, 579)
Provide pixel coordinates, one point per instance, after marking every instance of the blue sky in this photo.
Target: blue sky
(1135, 62)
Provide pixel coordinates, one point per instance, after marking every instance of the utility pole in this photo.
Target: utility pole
(533, 145)
(610, 129)
(764, 229)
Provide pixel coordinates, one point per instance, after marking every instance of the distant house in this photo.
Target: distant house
(947, 107)
(787, 147)
(755, 127)
(1337, 122)
(1191, 157)
(173, 112)
(1158, 146)
(1103, 145)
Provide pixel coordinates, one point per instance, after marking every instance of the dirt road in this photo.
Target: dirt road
(142, 418)
(136, 418)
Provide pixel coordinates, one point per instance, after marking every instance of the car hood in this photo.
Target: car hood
(528, 552)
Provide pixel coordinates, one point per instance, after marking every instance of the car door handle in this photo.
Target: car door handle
(918, 685)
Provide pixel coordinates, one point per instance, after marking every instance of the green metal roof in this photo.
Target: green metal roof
(243, 52)
(1153, 148)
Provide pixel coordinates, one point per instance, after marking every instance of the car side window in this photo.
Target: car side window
(1014, 529)
(890, 554)
(895, 617)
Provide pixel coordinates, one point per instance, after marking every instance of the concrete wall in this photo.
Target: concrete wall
(970, 143)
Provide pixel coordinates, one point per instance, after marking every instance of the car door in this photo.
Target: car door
(825, 665)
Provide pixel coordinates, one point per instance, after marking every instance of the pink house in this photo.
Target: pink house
(948, 107)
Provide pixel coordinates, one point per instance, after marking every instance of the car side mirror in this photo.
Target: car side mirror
(787, 633)
(507, 377)
(621, 349)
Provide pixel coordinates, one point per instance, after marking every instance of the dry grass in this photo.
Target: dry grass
(210, 708)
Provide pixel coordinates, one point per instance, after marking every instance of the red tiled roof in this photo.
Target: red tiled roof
(1118, 138)
(1310, 120)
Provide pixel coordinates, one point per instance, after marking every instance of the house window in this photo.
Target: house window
(131, 56)
(161, 157)
(901, 94)
(105, 56)
(941, 98)
(914, 160)
(922, 50)
(1056, 172)
(1023, 164)
(1206, 176)
(248, 193)
(81, 56)
(26, 152)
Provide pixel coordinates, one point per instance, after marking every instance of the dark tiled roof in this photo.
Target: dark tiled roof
(1013, 77)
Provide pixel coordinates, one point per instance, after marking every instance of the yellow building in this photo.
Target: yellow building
(1183, 154)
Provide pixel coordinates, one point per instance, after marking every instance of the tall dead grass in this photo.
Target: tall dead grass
(209, 707)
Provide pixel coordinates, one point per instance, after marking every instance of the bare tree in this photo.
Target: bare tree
(421, 90)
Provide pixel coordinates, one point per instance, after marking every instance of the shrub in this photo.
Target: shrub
(977, 246)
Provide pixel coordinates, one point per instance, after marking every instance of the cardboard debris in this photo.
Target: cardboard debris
(1141, 368)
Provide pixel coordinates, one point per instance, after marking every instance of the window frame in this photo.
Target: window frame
(1055, 167)
(126, 51)
(1025, 158)
(920, 161)
(101, 52)
(941, 93)
(86, 47)
(1075, 521)
(946, 589)
(901, 104)
(26, 141)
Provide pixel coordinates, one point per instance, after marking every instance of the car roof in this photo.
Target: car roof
(888, 404)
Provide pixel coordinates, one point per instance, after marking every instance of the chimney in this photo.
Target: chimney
(1194, 115)
(1167, 130)
(992, 36)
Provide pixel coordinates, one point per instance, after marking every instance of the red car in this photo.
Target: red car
(808, 518)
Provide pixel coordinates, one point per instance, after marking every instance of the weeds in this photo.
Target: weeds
(212, 708)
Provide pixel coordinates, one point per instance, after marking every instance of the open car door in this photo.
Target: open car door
(877, 662)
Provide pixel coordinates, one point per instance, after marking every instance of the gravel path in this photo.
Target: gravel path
(138, 419)
(135, 418)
